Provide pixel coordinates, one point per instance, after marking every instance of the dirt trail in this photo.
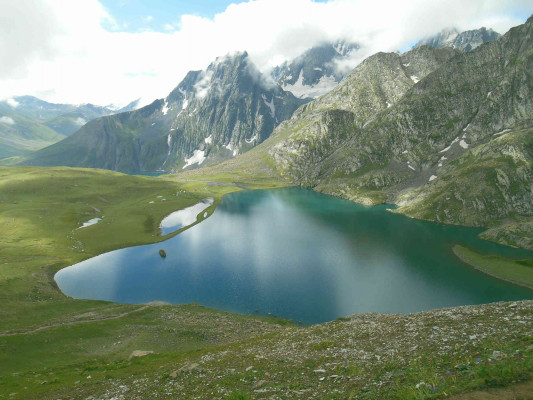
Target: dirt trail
(82, 321)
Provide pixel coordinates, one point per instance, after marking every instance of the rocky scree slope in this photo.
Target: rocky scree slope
(212, 115)
(367, 356)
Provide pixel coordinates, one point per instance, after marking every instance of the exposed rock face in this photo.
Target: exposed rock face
(212, 115)
(323, 128)
(465, 41)
(225, 110)
(316, 71)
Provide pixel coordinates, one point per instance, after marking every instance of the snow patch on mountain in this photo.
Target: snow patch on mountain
(198, 157)
(324, 85)
(253, 139)
(233, 149)
(451, 144)
(165, 108)
(270, 105)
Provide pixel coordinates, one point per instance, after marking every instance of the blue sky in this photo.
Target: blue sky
(162, 15)
(136, 15)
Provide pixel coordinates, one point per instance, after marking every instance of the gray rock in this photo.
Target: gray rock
(139, 353)
(187, 368)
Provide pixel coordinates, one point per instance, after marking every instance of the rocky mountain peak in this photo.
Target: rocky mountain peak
(466, 41)
(316, 71)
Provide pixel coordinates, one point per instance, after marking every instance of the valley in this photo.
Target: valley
(308, 231)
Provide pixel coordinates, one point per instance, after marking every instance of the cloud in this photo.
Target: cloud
(61, 50)
(202, 87)
(264, 80)
(13, 103)
(148, 19)
(7, 120)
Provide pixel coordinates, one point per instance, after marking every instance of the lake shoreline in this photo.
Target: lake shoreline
(476, 261)
(241, 260)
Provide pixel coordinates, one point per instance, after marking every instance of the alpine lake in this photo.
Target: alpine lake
(300, 255)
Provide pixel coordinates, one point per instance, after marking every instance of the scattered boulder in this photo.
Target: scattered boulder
(187, 368)
(162, 253)
(259, 384)
(139, 353)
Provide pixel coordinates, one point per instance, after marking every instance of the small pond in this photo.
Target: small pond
(187, 216)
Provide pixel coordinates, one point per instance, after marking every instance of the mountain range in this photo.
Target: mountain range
(444, 134)
(28, 123)
(201, 129)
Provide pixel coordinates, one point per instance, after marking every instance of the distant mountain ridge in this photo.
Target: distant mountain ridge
(466, 41)
(28, 123)
(210, 116)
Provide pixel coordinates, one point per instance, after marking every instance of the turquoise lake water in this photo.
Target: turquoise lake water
(300, 255)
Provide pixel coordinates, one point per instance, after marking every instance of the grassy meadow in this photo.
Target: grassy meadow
(52, 346)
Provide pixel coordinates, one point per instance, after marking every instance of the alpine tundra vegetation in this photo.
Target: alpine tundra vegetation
(442, 132)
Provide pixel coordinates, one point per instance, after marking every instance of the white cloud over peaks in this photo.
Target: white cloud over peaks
(203, 85)
(13, 103)
(7, 120)
(59, 50)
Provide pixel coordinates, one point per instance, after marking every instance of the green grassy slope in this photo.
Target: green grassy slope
(40, 328)
(516, 271)
(24, 136)
(32, 124)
